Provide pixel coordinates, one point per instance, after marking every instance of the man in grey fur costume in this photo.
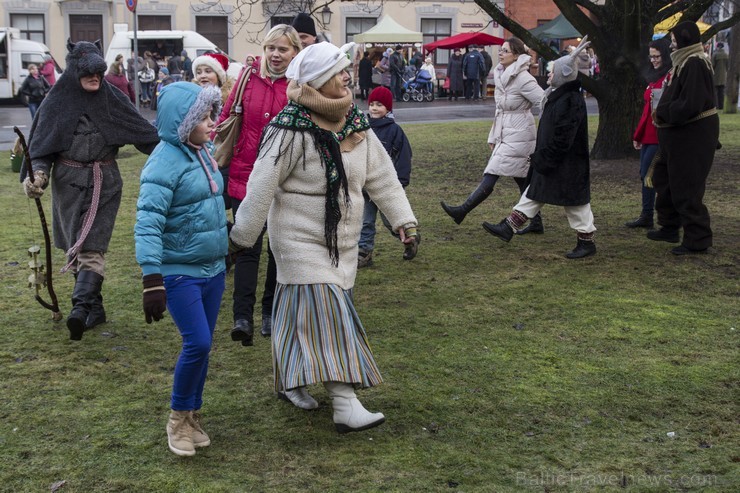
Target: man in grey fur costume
(75, 138)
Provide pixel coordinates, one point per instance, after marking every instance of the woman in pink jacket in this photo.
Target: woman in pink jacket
(264, 97)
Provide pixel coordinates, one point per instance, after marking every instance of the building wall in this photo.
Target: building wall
(531, 13)
(463, 16)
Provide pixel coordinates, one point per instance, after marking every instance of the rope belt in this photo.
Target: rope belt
(89, 218)
(698, 117)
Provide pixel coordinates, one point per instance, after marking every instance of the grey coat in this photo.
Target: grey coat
(72, 188)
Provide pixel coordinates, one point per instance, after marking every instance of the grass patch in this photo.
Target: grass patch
(508, 367)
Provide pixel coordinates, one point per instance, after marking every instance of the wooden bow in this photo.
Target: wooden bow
(35, 280)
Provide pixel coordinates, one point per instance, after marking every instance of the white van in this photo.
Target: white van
(16, 54)
(162, 43)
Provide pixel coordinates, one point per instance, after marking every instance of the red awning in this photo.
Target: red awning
(464, 39)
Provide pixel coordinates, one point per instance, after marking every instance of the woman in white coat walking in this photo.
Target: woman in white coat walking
(513, 134)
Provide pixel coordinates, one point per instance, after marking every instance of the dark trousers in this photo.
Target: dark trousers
(680, 179)
(647, 153)
(396, 86)
(364, 92)
(246, 269)
(472, 88)
(720, 97)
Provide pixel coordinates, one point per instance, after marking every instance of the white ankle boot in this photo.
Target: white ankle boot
(300, 397)
(349, 414)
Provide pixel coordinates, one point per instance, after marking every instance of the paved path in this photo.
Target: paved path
(439, 110)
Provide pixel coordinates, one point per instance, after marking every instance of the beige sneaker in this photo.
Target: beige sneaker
(200, 438)
(180, 433)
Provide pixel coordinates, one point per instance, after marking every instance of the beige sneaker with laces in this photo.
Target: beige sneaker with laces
(180, 433)
(200, 438)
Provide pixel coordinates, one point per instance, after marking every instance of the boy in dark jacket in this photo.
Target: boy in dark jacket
(380, 107)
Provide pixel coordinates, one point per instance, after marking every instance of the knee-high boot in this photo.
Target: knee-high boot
(485, 188)
(88, 283)
(97, 311)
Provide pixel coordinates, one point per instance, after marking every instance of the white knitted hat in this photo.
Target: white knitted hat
(318, 63)
(215, 65)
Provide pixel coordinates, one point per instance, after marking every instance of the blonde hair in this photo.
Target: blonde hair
(273, 35)
(115, 68)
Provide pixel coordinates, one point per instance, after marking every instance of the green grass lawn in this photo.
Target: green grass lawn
(507, 367)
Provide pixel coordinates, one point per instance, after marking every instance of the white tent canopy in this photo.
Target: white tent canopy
(388, 31)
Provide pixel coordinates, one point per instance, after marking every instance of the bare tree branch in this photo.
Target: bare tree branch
(516, 29)
(592, 7)
(720, 26)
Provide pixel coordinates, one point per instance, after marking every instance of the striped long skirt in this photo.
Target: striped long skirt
(317, 337)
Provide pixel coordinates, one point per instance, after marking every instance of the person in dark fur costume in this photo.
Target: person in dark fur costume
(75, 138)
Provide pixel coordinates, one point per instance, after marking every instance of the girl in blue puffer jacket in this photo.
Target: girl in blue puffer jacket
(181, 242)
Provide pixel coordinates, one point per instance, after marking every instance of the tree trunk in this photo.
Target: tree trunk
(617, 120)
(733, 71)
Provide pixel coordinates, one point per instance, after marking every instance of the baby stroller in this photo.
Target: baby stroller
(419, 87)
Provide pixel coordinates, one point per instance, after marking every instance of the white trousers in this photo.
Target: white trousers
(580, 217)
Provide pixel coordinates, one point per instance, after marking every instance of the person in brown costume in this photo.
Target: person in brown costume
(688, 133)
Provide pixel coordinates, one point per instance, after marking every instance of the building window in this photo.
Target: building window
(436, 29)
(31, 26)
(357, 25)
(154, 22)
(278, 19)
(215, 28)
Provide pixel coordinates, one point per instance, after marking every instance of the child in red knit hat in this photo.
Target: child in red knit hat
(382, 122)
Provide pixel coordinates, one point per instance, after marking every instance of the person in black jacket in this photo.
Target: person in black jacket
(365, 74)
(34, 88)
(397, 68)
(559, 172)
(688, 134)
(380, 106)
(473, 66)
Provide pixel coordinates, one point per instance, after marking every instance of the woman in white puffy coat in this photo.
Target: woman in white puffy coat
(513, 134)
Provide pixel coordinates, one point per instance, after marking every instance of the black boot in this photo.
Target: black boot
(502, 230)
(585, 247)
(243, 331)
(535, 226)
(97, 311)
(669, 235)
(485, 187)
(87, 287)
(644, 221)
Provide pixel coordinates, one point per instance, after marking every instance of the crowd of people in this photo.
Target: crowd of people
(304, 157)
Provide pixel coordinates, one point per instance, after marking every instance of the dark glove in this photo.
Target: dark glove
(235, 251)
(155, 298)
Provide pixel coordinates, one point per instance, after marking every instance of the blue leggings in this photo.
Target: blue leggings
(193, 304)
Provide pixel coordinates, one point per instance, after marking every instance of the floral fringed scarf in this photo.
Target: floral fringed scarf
(297, 118)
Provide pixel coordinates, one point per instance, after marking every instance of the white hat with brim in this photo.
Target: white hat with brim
(318, 63)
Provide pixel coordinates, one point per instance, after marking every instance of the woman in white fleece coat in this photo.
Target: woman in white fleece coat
(315, 158)
(513, 134)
